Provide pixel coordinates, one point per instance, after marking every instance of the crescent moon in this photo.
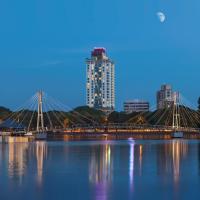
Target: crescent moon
(161, 16)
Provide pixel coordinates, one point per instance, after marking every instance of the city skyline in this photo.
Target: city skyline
(152, 99)
(46, 49)
(175, 96)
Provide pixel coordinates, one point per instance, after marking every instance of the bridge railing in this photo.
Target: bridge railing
(119, 127)
(129, 126)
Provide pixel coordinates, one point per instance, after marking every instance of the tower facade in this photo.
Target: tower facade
(166, 97)
(100, 86)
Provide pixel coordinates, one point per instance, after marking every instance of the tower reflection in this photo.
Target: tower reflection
(179, 150)
(170, 158)
(17, 159)
(131, 163)
(140, 159)
(100, 170)
(41, 154)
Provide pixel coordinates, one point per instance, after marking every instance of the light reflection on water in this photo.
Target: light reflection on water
(131, 163)
(17, 160)
(18, 155)
(41, 155)
(100, 170)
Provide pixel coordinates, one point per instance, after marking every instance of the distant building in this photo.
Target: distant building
(100, 81)
(136, 106)
(166, 97)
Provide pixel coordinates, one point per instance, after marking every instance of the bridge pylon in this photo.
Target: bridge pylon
(40, 118)
(176, 123)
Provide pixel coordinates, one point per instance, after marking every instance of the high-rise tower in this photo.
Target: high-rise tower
(166, 97)
(100, 81)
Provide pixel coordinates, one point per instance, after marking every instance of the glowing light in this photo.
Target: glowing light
(131, 163)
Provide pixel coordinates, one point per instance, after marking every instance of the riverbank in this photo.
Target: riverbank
(98, 136)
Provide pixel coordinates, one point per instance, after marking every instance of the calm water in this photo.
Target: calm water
(100, 170)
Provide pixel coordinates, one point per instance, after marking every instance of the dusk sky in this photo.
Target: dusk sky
(44, 43)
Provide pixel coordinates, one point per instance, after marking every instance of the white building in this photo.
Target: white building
(136, 106)
(166, 97)
(100, 81)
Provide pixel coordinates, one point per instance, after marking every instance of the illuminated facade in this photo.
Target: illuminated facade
(100, 81)
(136, 106)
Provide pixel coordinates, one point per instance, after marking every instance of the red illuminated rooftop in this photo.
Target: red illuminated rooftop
(98, 51)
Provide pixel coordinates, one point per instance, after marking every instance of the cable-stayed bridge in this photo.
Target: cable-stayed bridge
(42, 114)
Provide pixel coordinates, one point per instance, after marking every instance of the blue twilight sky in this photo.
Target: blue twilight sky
(44, 43)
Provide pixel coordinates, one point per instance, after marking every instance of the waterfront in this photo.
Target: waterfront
(100, 170)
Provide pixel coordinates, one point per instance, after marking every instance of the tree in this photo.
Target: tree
(4, 112)
(199, 104)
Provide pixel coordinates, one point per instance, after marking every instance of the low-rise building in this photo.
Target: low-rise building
(136, 106)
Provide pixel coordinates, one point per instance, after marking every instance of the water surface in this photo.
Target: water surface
(100, 170)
